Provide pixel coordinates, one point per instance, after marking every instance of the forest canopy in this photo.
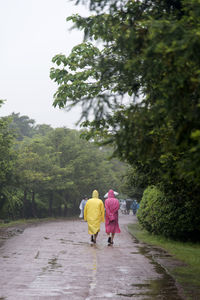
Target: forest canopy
(46, 171)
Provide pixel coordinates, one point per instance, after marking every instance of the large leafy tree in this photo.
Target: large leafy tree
(142, 85)
(148, 53)
(39, 173)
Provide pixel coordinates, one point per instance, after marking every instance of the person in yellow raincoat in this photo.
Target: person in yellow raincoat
(94, 214)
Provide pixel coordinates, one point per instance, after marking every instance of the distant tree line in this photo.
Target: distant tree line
(46, 171)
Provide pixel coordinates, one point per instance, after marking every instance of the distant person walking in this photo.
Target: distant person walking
(112, 207)
(128, 206)
(94, 215)
(134, 207)
(82, 206)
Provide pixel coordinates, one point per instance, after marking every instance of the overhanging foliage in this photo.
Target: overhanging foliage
(149, 52)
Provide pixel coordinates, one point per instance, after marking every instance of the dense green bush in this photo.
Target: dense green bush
(160, 214)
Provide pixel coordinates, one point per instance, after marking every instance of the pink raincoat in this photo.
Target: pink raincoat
(112, 207)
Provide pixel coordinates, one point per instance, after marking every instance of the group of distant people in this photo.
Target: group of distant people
(93, 212)
(127, 205)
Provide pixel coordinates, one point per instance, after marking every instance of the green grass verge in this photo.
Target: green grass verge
(31, 221)
(24, 221)
(189, 253)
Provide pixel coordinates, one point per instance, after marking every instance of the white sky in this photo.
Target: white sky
(31, 33)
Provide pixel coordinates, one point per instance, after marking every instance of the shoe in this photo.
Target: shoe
(109, 240)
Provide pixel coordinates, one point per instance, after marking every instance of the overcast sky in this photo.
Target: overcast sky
(31, 33)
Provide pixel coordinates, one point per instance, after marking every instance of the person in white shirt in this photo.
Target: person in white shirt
(82, 206)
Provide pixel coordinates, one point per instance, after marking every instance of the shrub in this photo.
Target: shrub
(160, 214)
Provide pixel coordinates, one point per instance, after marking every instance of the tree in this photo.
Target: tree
(89, 165)
(22, 126)
(39, 173)
(149, 53)
(55, 168)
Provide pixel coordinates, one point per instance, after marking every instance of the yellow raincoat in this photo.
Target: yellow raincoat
(94, 213)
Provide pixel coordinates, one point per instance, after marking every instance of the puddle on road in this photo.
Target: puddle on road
(52, 265)
(163, 287)
(63, 241)
(53, 262)
(71, 242)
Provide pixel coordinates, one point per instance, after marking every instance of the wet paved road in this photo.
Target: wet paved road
(56, 261)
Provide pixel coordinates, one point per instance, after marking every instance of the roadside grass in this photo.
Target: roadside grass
(4, 224)
(189, 253)
(23, 222)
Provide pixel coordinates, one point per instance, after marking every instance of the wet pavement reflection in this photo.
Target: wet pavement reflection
(56, 260)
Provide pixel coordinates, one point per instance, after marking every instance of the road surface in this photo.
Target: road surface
(55, 260)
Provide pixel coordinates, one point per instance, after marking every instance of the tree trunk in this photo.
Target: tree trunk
(24, 204)
(74, 207)
(51, 204)
(34, 207)
(65, 208)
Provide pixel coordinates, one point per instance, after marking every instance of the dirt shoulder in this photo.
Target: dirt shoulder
(12, 230)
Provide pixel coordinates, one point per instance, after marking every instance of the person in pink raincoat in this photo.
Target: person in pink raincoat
(111, 224)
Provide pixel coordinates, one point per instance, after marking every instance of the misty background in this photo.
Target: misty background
(31, 33)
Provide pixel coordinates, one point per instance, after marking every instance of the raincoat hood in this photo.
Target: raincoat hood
(111, 194)
(95, 194)
(112, 204)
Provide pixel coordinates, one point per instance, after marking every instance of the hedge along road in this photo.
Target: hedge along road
(56, 260)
